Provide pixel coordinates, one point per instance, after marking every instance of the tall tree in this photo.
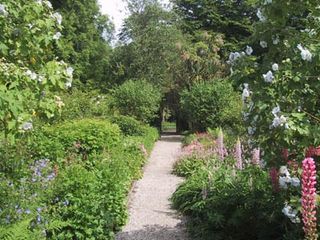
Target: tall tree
(87, 34)
(232, 18)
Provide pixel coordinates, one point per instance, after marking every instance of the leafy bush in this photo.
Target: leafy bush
(189, 165)
(224, 204)
(78, 104)
(212, 104)
(138, 99)
(128, 125)
(29, 71)
(85, 136)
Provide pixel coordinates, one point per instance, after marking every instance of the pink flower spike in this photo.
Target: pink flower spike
(238, 154)
(256, 156)
(309, 199)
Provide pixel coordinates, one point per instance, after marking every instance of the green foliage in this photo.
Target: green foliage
(151, 32)
(189, 165)
(294, 77)
(138, 99)
(231, 18)
(86, 136)
(86, 36)
(29, 72)
(79, 104)
(224, 204)
(129, 126)
(212, 104)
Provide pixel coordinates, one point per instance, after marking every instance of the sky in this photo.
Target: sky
(116, 9)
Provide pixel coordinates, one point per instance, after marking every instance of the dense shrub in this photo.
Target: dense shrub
(189, 165)
(128, 125)
(78, 104)
(86, 135)
(227, 205)
(50, 191)
(212, 104)
(138, 99)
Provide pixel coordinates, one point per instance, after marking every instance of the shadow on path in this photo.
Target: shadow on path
(154, 232)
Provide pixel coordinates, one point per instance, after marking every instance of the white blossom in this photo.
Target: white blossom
(263, 44)
(275, 67)
(251, 130)
(69, 71)
(295, 182)
(284, 181)
(57, 36)
(305, 53)
(261, 17)
(249, 50)
(275, 110)
(268, 77)
(283, 171)
(275, 40)
(291, 213)
(234, 56)
(245, 92)
(279, 121)
(57, 16)
(48, 3)
(3, 10)
(68, 84)
(27, 126)
(31, 74)
(40, 78)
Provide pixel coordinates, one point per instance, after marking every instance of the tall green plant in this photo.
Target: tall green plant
(29, 71)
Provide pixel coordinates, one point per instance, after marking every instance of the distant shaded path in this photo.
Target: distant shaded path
(151, 217)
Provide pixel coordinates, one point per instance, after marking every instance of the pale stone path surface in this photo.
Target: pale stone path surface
(150, 214)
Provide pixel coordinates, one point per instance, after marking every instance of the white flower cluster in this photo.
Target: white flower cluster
(268, 77)
(305, 53)
(275, 40)
(285, 179)
(234, 56)
(58, 101)
(69, 73)
(263, 44)
(260, 15)
(279, 120)
(57, 16)
(34, 76)
(57, 36)
(3, 10)
(291, 213)
(245, 92)
(47, 3)
(27, 126)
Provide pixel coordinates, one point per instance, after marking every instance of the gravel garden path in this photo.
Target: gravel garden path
(150, 214)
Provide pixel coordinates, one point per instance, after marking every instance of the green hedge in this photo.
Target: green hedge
(212, 104)
(87, 196)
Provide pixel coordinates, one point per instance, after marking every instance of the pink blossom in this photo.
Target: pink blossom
(274, 178)
(238, 154)
(309, 199)
(256, 156)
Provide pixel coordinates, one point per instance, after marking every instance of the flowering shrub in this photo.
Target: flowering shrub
(278, 77)
(29, 72)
